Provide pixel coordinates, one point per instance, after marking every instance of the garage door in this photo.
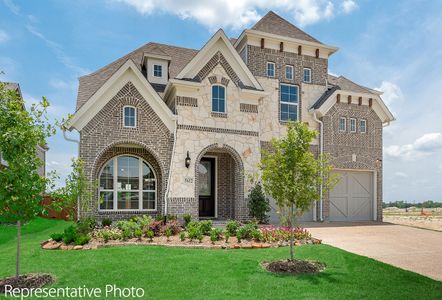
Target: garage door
(352, 198)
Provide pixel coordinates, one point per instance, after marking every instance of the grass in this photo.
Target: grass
(177, 273)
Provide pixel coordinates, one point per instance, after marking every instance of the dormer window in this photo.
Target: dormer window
(270, 69)
(129, 117)
(157, 71)
(218, 99)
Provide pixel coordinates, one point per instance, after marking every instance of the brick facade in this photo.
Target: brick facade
(342, 146)
(105, 137)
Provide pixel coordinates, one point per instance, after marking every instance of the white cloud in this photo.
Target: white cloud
(59, 52)
(425, 145)
(239, 13)
(348, 6)
(4, 37)
(15, 9)
(391, 92)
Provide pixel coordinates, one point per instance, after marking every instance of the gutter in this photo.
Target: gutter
(78, 155)
(321, 150)
(166, 195)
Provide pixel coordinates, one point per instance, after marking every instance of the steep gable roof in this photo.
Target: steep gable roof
(89, 84)
(274, 24)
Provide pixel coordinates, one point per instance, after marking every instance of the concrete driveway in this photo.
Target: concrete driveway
(409, 248)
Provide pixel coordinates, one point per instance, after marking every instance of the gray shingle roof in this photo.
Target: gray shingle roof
(89, 84)
(274, 24)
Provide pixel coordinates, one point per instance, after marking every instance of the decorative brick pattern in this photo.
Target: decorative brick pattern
(218, 115)
(218, 58)
(213, 79)
(104, 137)
(180, 206)
(248, 108)
(366, 146)
(225, 81)
(186, 101)
(219, 130)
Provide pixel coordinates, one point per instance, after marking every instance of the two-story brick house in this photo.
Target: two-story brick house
(167, 129)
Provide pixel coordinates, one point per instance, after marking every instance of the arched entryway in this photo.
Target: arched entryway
(219, 183)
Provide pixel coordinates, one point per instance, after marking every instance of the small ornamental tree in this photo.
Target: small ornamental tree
(21, 132)
(292, 175)
(77, 193)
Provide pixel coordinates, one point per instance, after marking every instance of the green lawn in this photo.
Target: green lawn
(175, 273)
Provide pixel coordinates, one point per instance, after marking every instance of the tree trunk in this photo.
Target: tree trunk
(17, 261)
(291, 232)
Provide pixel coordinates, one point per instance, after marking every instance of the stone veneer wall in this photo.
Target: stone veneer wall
(342, 145)
(104, 136)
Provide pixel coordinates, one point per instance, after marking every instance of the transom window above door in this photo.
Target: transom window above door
(127, 183)
(218, 99)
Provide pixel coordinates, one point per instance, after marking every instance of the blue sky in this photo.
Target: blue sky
(394, 46)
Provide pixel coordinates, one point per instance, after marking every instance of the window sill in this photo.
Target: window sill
(218, 115)
(125, 211)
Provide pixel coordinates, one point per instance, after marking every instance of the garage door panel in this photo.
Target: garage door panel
(352, 197)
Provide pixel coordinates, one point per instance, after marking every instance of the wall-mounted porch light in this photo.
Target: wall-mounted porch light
(187, 160)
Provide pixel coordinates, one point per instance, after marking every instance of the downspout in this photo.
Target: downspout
(321, 150)
(78, 155)
(169, 176)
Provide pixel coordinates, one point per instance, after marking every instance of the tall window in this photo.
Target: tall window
(307, 75)
(342, 124)
(129, 116)
(243, 54)
(270, 69)
(289, 102)
(218, 99)
(157, 70)
(352, 125)
(362, 126)
(289, 72)
(127, 183)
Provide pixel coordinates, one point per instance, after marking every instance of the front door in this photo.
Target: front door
(206, 181)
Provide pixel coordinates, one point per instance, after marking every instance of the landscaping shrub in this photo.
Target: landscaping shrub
(187, 218)
(206, 227)
(156, 226)
(70, 234)
(108, 233)
(215, 234)
(57, 237)
(168, 232)
(258, 204)
(138, 233)
(239, 235)
(159, 217)
(106, 222)
(249, 230)
(257, 235)
(150, 234)
(82, 239)
(192, 232)
(232, 226)
(226, 236)
(170, 217)
(86, 225)
(128, 228)
(143, 221)
(182, 236)
(200, 236)
(273, 233)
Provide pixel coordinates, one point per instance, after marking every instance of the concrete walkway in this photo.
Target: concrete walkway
(413, 249)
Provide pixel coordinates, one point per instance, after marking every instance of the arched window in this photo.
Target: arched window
(127, 183)
(218, 98)
(129, 116)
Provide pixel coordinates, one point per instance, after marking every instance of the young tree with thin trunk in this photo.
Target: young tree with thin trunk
(21, 187)
(293, 176)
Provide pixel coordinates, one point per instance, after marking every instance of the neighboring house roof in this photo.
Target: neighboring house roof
(274, 24)
(13, 86)
(89, 84)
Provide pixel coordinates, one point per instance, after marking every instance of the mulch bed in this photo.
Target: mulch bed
(26, 281)
(294, 267)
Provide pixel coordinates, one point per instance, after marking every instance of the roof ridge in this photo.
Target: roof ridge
(361, 86)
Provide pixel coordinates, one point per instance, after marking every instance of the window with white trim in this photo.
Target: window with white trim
(289, 72)
(342, 124)
(270, 69)
(307, 75)
(363, 126)
(157, 70)
(129, 116)
(127, 183)
(288, 96)
(352, 125)
(243, 54)
(218, 99)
